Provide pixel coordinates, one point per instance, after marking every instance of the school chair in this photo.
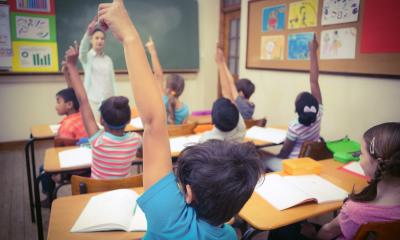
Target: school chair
(82, 185)
(315, 150)
(181, 129)
(262, 122)
(378, 231)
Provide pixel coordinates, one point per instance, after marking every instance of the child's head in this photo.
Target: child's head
(307, 108)
(175, 86)
(380, 158)
(245, 87)
(66, 102)
(221, 176)
(115, 113)
(224, 114)
(98, 39)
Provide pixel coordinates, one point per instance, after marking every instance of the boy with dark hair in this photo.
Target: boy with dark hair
(216, 178)
(228, 124)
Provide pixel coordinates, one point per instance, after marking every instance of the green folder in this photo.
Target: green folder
(344, 150)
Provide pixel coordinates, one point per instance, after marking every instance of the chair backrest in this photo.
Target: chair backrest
(255, 122)
(64, 142)
(81, 185)
(378, 230)
(315, 150)
(181, 129)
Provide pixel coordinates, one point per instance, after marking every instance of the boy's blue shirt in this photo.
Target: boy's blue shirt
(169, 217)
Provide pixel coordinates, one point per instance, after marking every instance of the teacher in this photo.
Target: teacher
(98, 67)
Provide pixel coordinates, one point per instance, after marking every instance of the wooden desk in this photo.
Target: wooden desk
(263, 216)
(66, 210)
(41, 131)
(52, 162)
(200, 119)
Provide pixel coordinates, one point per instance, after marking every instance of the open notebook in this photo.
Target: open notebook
(76, 157)
(177, 144)
(114, 210)
(285, 192)
(136, 122)
(273, 135)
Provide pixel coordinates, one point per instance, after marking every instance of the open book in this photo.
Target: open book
(285, 192)
(177, 144)
(81, 156)
(114, 210)
(136, 122)
(273, 135)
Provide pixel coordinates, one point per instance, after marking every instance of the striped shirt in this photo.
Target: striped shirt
(299, 133)
(71, 127)
(112, 155)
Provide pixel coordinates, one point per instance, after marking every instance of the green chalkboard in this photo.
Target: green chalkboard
(173, 25)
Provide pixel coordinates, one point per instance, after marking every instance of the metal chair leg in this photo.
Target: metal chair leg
(29, 177)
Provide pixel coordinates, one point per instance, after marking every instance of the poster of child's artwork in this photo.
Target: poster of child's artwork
(5, 38)
(273, 18)
(33, 27)
(340, 11)
(298, 45)
(35, 57)
(303, 14)
(272, 47)
(338, 43)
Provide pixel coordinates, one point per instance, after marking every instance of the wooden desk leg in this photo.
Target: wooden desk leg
(39, 223)
(29, 177)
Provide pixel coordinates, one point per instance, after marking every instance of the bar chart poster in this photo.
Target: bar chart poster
(35, 57)
(33, 6)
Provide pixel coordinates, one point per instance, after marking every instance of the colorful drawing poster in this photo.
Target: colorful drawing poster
(34, 57)
(33, 27)
(272, 47)
(380, 29)
(335, 12)
(273, 18)
(303, 14)
(33, 6)
(338, 43)
(298, 45)
(5, 38)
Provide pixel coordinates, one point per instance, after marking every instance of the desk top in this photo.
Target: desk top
(263, 216)
(200, 119)
(66, 210)
(52, 162)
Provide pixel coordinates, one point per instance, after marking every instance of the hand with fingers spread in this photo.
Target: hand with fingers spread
(115, 17)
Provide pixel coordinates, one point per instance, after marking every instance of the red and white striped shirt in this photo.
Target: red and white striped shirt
(112, 155)
(299, 133)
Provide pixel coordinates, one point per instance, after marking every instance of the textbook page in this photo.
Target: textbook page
(112, 210)
(280, 193)
(318, 188)
(76, 157)
(136, 122)
(139, 222)
(177, 144)
(273, 135)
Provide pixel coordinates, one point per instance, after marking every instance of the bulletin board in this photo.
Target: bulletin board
(359, 37)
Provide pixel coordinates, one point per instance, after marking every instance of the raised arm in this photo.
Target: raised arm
(228, 87)
(157, 68)
(156, 151)
(71, 57)
(85, 42)
(314, 70)
(64, 69)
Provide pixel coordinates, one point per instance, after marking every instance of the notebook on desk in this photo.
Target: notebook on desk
(273, 135)
(177, 144)
(289, 191)
(76, 157)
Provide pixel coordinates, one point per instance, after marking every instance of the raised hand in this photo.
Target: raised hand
(71, 55)
(115, 17)
(150, 46)
(219, 56)
(313, 45)
(92, 26)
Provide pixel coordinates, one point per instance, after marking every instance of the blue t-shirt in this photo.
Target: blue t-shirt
(180, 113)
(169, 217)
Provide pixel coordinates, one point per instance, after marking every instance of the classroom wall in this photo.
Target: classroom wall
(26, 100)
(352, 104)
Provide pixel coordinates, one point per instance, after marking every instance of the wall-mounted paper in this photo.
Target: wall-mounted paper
(5, 37)
(338, 43)
(273, 18)
(34, 5)
(272, 47)
(303, 14)
(334, 11)
(35, 57)
(33, 27)
(298, 45)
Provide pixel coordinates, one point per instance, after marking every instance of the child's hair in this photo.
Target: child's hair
(224, 114)
(307, 108)
(245, 86)
(116, 112)
(98, 30)
(68, 95)
(175, 85)
(383, 145)
(217, 171)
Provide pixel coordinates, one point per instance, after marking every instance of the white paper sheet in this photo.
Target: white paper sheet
(335, 12)
(76, 157)
(354, 167)
(273, 135)
(338, 43)
(177, 144)
(54, 128)
(136, 122)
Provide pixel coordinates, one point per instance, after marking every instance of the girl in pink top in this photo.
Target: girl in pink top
(380, 200)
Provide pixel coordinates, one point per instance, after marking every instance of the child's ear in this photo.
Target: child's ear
(241, 94)
(189, 194)
(70, 105)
